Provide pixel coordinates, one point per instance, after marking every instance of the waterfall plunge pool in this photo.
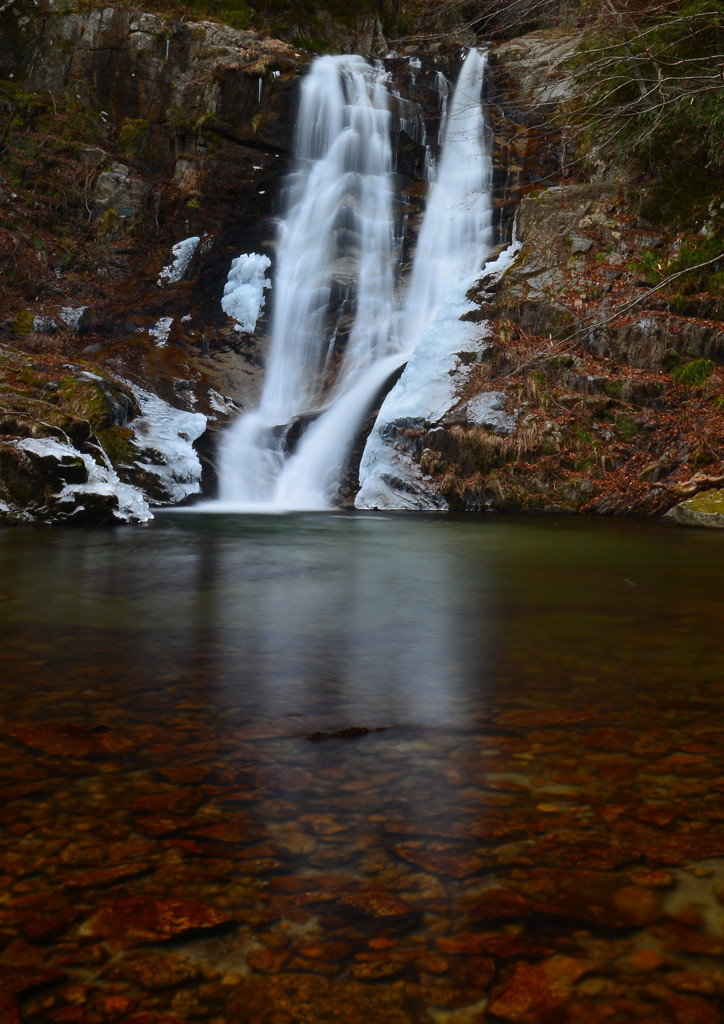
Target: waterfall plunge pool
(536, 805)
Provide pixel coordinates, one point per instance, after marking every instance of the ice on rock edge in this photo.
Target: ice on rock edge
(161, 330)
(182, 254)
(164, 437)
(424, 394)
(101, 479)
(243, 298)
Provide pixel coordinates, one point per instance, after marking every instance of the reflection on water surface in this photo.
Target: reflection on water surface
(521, 822)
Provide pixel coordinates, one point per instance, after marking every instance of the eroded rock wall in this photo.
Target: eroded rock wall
(128, 134)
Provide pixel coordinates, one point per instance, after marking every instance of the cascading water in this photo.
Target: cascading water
(339, 329)
(456, 230)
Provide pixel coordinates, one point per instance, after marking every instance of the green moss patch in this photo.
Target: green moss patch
(705, 509)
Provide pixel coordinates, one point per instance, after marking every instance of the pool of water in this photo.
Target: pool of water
(339, 767)
(406, 620)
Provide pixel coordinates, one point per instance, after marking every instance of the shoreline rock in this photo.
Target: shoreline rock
(705, 509)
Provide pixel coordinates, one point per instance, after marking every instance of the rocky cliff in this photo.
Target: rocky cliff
(140, 155)
(126, 134)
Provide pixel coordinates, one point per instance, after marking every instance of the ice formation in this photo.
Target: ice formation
(182, 254)
(243, 298)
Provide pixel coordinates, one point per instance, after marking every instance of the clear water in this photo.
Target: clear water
(534, 817)
(366, 619)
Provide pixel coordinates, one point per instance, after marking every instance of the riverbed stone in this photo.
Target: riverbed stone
(128, 920)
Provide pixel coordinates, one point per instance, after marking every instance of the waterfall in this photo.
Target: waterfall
(456, 230)
(339, 326)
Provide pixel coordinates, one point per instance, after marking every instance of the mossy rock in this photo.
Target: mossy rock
(23, 322)
(119, 445)
(31, 478)
(705, 509)
(102, 403)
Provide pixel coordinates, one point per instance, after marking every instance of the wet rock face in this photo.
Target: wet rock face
(535, 67)
(201, 104)
(117, 189)
(139, 66)
(529, 77)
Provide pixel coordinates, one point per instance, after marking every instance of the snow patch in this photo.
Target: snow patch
(45, 324)
(71, 315)
(161, 330)
(182, 254)
(488, 410)
(220, 404)
(243, 297)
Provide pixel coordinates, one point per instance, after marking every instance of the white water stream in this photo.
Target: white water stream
(338, 274)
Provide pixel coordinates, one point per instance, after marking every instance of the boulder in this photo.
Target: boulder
(704, 509)
(119, 189)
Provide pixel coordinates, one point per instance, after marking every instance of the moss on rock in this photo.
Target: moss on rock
(705, 509)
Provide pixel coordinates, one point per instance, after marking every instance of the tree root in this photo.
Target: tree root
(688, 488)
